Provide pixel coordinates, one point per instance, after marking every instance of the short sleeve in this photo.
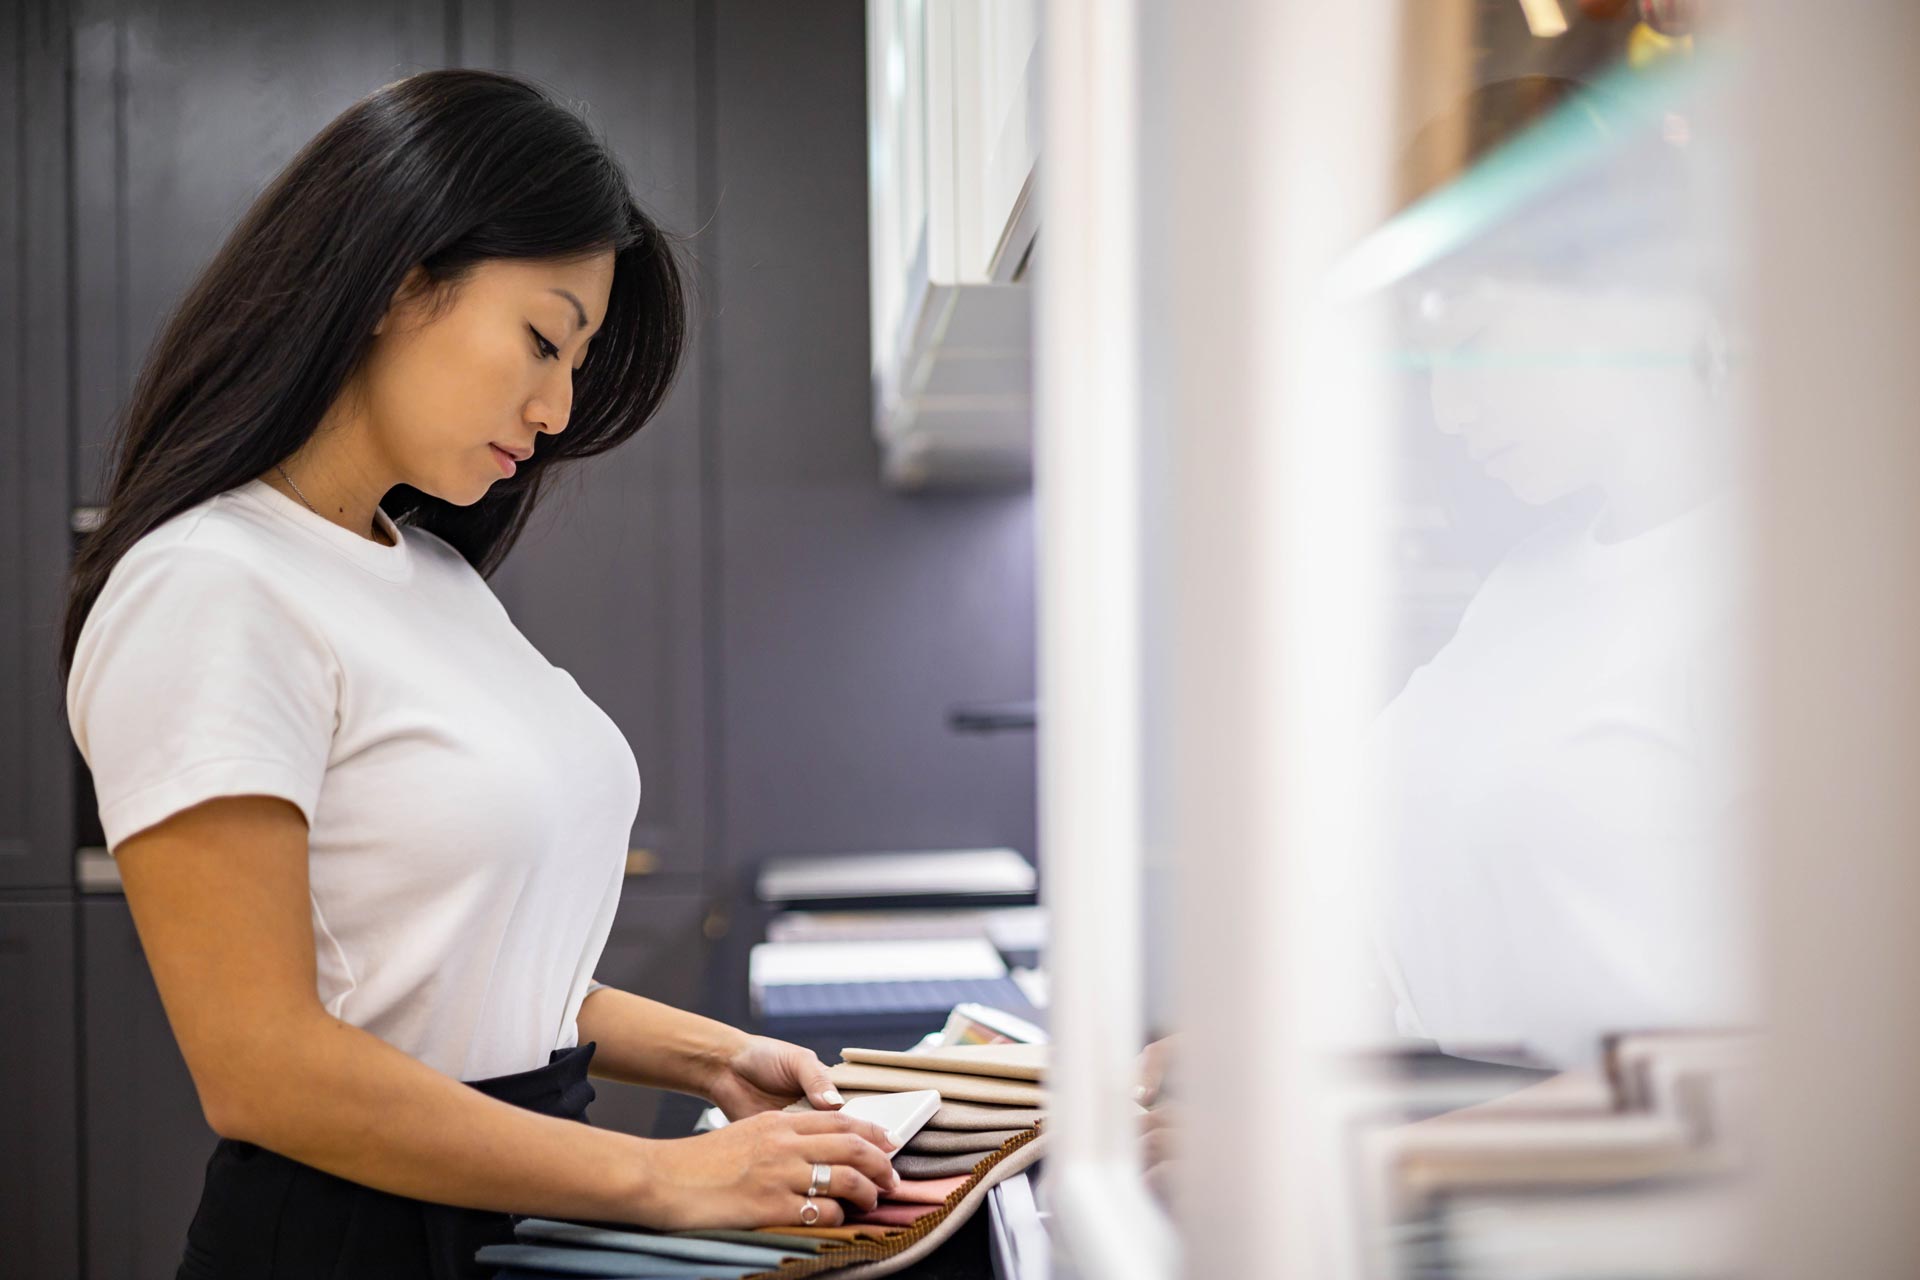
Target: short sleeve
(193, 679)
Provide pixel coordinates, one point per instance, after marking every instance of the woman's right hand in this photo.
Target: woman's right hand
(754, 1172)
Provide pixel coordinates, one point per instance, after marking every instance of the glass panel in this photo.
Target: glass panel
(1560, 897)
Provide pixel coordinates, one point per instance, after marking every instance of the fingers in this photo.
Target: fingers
(818, 1122)
(832, 1213)
(847, 1183)
(854, 1152)
(817, 1085)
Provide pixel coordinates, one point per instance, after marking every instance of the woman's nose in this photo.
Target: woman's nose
(550, 411)
(1453, 407)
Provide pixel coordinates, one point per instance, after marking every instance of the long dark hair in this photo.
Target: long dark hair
(444, 169)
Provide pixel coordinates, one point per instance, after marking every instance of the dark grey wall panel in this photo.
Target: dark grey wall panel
(146, 1140)
(39, 1174)
(35, 751)
(851, 618)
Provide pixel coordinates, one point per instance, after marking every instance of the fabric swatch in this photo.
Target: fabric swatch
(551, 1231)
(924, 1190)
(957, 1115)
(797, 1244)
(871, 1231)
(866, 1260)
(1007, 1061)
(894, 1215)
(909, 1165)
(1011, 1093)
(608, 1262)
(946, 1142)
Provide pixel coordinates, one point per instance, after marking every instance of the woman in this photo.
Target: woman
(371, 839)
(1562, 781)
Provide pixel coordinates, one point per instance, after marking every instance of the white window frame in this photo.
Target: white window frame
(1835, 297)
(1255, 83)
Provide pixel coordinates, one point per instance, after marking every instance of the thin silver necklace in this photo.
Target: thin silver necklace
(303, 497)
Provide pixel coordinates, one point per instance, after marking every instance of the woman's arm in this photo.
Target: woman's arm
(641, 1041)
(220, 898)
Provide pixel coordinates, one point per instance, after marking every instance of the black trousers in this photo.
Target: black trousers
(265, 1217)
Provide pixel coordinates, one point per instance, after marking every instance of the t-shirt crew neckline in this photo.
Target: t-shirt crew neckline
(392, 563)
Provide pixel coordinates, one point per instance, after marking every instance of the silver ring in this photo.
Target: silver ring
(809, 1208)
(822, 1175)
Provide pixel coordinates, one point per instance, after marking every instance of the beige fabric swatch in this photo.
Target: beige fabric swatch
(1011, 1093)
(1008, 1061)
(947, 1142)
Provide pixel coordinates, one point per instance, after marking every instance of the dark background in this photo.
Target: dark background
(779, 637)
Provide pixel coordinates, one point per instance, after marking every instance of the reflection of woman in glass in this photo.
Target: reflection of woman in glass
(1559, 778)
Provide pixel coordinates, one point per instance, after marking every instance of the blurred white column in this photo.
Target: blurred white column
(1275, 159)
(1087, 494)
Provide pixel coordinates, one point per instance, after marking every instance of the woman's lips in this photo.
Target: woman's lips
(501, 456)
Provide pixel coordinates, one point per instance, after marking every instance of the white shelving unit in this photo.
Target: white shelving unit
(952, 145)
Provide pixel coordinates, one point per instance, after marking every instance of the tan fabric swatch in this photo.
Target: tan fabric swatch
(909, 1165)
(1007, 1061)
(833, 1233)
(947, 1142)
(1009, 1093)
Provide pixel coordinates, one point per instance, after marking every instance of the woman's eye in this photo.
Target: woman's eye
(547, 349)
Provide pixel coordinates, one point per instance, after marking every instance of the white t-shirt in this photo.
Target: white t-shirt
(468, 806)
(1561, 786)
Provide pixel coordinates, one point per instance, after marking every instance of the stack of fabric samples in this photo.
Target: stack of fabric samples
(987, 1129)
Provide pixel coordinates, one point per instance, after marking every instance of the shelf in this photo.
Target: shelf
(1578, 146)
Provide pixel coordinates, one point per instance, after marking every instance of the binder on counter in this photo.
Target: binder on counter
(926, 877)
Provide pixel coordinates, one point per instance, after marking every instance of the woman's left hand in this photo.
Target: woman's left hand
(765, 1074)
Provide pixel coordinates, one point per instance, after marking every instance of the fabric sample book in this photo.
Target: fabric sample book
(867, 1260)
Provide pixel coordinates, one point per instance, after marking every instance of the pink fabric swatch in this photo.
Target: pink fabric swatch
(893, 1215)
(925, 1190)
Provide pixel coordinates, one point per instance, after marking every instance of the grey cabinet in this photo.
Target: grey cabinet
(35, 775)
(181, 112)
(39, 1119)
(145, 1140)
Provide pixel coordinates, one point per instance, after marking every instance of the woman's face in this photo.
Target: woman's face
(1554, 389)
(445, 394)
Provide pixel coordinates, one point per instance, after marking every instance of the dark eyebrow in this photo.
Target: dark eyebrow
(580, 310)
